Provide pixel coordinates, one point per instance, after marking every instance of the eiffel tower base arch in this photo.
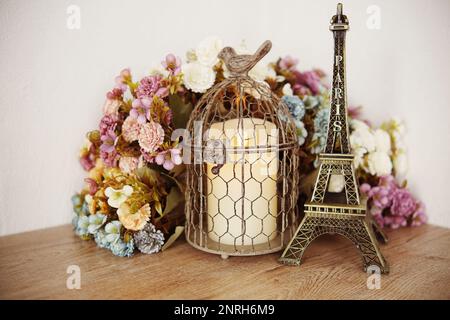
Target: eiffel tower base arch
(357, 228)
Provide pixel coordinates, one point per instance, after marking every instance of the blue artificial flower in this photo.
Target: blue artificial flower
(77, 203)
(100, 239)
(296, 108)
(75, 221)
(85, 208)
(76, 200)
(81, 228)
(123, 249)
(320, 130)
(95, 222)
(109, 238)
(295, 105)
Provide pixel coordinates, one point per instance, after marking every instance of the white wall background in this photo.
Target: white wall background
(53, 80)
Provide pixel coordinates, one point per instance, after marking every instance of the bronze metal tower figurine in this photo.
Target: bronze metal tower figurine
(343, 212)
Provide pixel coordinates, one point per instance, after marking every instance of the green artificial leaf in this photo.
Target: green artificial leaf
(181, 111)
(173, 180)
(158, 207)
(178, 170)
(178, 231)
(173, 199)
(148, 176)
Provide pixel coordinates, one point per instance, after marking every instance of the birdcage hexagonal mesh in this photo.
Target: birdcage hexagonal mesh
(243, 172)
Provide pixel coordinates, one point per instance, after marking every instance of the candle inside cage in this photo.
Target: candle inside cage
(242, 201)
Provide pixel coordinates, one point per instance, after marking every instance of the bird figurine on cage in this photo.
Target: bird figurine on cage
(241, 63)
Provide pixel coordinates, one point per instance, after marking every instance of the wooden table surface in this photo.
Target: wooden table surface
(34, 265)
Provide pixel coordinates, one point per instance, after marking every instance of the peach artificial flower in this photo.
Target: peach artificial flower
(134, 221)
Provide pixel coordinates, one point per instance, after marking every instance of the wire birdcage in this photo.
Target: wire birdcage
(243, 173)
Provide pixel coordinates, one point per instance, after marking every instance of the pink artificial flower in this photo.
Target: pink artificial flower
(403, 204)
(115, 94)
(395, 222)
(87, 162)
(122, 79)
(109, 158)
(111, 107)
(128, 164)
(147, 157)
(419, 217)
(288, 63)
(300, 90)
(169, 158)
(150, 86)
(320, 73)
(125, 73)
(392, 206)
(168, 117)
(377, 214)
(130, 129)
(151, 136)
(381, 197)
(172, 63)
(388, 182)
(109, 142)
(354, 112)
(92, 185)
(141, 109)
(309, 79)
(107, 123)
(365, 188)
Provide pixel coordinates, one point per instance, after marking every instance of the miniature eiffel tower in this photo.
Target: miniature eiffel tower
(344, 212)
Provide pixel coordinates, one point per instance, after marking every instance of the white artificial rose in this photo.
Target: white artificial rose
(261, 72)
(358, 160)
(382, 141)
(198, 77)
(379, 163)
(302, 133)
(400, 163)
(191, 56)
(356, 124)
(398, 126)
(398, 133)
(287, 90)
(207, 51)
(362, 137)
(336, 183)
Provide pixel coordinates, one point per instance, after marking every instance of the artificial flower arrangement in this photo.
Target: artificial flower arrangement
(133, 196)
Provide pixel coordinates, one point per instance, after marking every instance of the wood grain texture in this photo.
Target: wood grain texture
(33, 266)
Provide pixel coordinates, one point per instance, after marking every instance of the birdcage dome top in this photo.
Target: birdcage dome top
(242, 106)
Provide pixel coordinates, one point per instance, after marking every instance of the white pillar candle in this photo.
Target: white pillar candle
(242, 197)
(336, 183)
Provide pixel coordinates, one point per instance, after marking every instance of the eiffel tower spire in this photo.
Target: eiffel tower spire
(337, 137)
(337, 159)
(343, 213)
